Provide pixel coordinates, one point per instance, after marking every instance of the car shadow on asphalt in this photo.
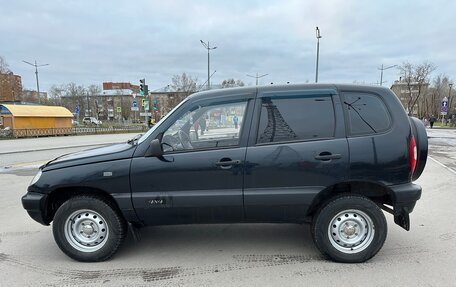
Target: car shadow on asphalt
(216, 239)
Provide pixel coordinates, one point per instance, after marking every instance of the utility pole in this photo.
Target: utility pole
(381, 73)
(36, 75)
(208, 47)
(317, 31)
(257, 77)
(87, 111)
(450, 100)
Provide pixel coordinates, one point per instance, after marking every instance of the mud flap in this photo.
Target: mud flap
(402, 219)
(401, 216)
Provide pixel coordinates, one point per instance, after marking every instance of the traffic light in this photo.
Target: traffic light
(142, 87)
(155, 105)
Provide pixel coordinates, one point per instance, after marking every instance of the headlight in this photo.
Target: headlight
(36, 178)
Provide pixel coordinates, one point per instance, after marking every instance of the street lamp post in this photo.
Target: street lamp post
(449, 95)
(450, 100)
(36, 75)
(257, 77)
(381, 73)
(208, 47)
(317, 31)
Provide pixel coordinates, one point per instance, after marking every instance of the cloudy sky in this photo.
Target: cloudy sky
(89, 42)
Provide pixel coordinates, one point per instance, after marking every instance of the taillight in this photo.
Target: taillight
(413, 155)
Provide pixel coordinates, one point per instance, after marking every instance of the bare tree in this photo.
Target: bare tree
(4, 67)
(56, 92)
(124, 102)
(75, 97)
(93, 91)
(416, 78)
(183, 86)
(439, 90)
(231, 83)
(184, 83)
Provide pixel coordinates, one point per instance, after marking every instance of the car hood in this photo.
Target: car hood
(100, 154)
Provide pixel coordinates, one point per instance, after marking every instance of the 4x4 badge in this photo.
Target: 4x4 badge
(156, 201)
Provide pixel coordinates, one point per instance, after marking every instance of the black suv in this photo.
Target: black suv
(329, 155)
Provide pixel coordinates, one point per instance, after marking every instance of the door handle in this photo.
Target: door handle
(328, 156)
(226, 163)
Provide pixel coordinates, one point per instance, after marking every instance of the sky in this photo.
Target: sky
(90, 42)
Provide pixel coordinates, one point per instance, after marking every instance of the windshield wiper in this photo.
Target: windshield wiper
(134, 140)
(361, 117)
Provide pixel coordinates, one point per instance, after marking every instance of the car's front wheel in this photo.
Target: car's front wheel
(349, 229)
(88, 228)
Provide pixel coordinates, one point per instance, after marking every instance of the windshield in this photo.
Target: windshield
(152, 129)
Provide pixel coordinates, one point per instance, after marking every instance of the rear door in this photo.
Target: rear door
(297, 148)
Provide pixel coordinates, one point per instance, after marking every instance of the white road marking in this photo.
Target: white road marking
(441, 164)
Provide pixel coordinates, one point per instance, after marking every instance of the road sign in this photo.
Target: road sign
(76, 110)
(134, 104)
(444, 107)
(133, 109)
(145, 114)
(119, 109)
(146, 105)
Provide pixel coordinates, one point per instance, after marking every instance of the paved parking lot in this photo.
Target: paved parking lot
(235, 254)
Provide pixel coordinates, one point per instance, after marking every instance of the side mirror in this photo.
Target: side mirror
(155, 149)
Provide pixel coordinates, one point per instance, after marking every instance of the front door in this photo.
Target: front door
(199, 178)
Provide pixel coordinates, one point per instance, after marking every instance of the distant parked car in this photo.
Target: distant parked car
(91, 120)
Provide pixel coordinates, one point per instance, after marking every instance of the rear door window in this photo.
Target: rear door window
(295, 118)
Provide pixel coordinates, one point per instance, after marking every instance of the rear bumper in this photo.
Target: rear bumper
(35, 204)
(405, 197)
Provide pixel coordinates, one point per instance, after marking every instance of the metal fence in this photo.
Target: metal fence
(21, 133)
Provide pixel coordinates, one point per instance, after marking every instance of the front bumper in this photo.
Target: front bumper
(35, 204)
(405, 197)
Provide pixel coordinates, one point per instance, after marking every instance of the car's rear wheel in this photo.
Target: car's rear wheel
(88, 228)
(349, 229)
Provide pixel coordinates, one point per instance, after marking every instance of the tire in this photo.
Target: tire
(349, 229)
(88, 229)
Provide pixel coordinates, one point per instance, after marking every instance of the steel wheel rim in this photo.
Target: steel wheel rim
(86, 230)
(351, 231)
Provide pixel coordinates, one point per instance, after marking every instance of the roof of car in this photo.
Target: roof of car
(290, 87)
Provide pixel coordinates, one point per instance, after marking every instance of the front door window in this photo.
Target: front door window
(206, 127)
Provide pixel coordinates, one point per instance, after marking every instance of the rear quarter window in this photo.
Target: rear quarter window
(366, 113)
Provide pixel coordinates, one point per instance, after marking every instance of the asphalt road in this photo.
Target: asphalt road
(233, 254)
(30, 153)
